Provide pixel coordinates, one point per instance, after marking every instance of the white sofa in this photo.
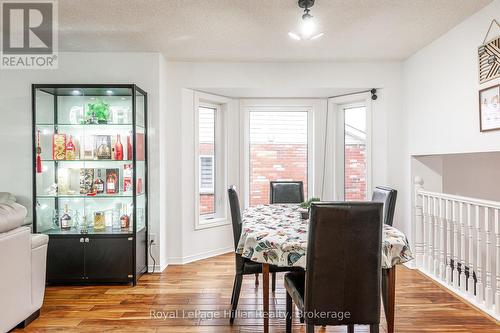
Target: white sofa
(23, 261)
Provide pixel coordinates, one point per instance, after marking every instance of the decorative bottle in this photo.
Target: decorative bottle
(99, 183)
(125, 219)
(65, 221)
(111, 183)
(129, 147)
(118, 148)
(70, 149)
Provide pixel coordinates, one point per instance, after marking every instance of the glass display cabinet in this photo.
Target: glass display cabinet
(90, 180)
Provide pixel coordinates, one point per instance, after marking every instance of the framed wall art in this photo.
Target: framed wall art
(489, 108)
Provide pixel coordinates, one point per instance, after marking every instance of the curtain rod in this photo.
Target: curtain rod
(353, 93)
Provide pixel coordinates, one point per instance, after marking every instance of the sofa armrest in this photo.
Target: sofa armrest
(38, 240)
(39, 245)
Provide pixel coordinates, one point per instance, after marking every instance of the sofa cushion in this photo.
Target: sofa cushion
(7, 197)
(12, 216)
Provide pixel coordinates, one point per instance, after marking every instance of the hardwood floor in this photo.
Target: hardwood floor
(421, 306)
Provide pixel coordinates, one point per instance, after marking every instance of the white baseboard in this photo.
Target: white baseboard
(199, 256)
(157, 268)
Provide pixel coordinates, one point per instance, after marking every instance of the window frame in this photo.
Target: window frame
(219, 218)
(339, 105)
(277, 105)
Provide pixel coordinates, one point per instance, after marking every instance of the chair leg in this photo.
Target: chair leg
(234, 287)
(256, 279)
(350, 328)
(309, 328)
(289, 309)
(273, 282)
(374, 328)
(237, 288)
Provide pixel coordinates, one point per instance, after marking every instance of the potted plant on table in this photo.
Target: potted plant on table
(306, 206)
(98, 112)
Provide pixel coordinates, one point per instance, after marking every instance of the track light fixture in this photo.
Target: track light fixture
(308, 25)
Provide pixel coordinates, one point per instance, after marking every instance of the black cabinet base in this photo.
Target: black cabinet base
(93, 259)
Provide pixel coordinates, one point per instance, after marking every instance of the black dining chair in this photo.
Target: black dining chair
(387, 196)
(285, 192)
(245, 266)
(341, 284)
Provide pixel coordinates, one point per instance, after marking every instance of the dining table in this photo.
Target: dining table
(277, 235)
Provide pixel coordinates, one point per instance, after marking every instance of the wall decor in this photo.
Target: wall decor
(489, 108)
(489, 57)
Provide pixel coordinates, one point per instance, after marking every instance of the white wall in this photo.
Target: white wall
(441, 96)
(144, 69)
(472, 175)
(184, 243)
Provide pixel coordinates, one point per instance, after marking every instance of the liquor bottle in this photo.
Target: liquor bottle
(118, 148)
(65, 221)
(111, 182)
(99, 221)
(129, 147)
(70, 149)
(98, 183)
(125, 219)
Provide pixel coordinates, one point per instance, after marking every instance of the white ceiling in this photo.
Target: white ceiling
(256, 30)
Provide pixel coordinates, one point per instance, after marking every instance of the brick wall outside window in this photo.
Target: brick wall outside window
(275, 162)
(355, 172)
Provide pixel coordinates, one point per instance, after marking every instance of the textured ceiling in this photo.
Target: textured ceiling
(256, 30)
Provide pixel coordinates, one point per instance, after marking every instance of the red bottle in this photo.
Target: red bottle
(70, 149)
(129, 148)
(118, 148)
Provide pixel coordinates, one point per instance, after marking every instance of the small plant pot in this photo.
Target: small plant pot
(304, 213)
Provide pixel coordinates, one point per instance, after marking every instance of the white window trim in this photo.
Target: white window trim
(207, 190)
(338, 104)
(220, 218)
(281, 105)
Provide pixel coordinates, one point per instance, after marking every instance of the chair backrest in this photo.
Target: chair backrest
(286, 192)
(343, 271)
(234, 205)
(387, 196)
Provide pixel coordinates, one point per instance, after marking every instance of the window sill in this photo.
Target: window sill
(211, 223)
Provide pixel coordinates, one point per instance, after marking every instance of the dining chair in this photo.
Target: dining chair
(341, 284)
(245, 266)
(387, 196)
(284, 192)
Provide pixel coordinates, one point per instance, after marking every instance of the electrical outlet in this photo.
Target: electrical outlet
(152, 239)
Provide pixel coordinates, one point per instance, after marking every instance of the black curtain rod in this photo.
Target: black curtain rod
(353, 93)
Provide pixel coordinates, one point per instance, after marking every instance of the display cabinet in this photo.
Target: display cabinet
(90, 180)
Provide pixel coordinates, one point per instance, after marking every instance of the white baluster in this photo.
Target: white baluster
(488, 291)
(425, 205)
(479, 269)
(442, 259)
(437, 246)
(419, 220)
(497, 245)
(462, 247)
(430, 250)
(448, 244)
(470, 280)
(455, 243)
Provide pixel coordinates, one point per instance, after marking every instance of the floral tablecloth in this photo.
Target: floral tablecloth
(277, 235)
